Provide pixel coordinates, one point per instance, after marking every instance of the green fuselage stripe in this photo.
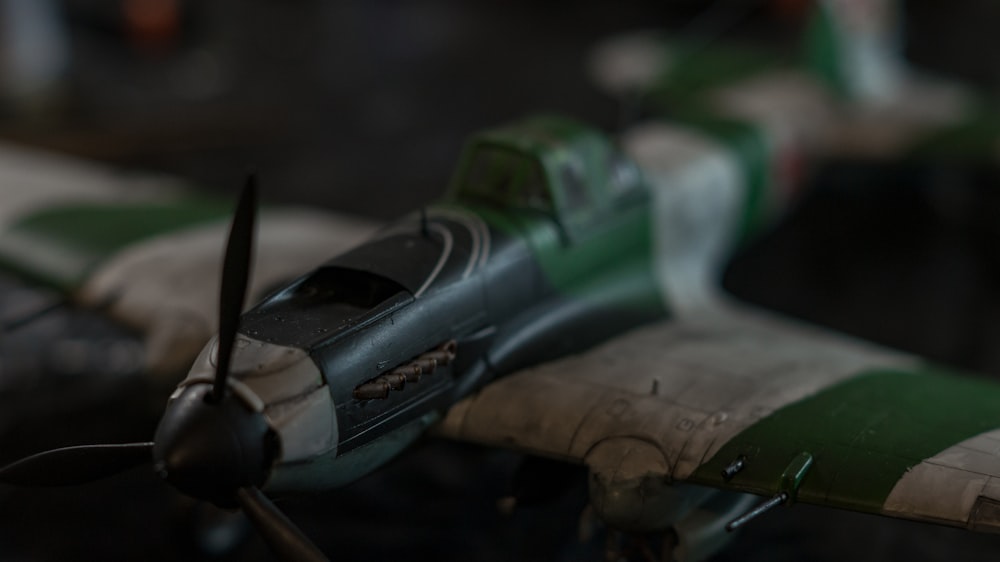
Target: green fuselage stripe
(863, 433)
(61, 247)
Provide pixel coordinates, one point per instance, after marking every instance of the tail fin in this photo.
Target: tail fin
(855, 46)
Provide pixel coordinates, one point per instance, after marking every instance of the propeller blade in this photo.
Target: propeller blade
(75, 465)
(284, 539)
(235, 276)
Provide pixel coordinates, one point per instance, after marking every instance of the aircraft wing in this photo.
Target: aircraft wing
(821, 417)
(144, 249)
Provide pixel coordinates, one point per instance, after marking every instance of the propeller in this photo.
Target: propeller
(206, 446)
(75, 465)
(281, 535)
(235, 277)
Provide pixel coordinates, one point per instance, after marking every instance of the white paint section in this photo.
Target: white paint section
(274, 372)
(698, 191)
(285, 385)
(167, 287)
(307, 427)
(31, 180)
(686, 386)
(946, 487)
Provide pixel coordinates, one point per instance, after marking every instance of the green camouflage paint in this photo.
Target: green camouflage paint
(592, 221)
(695, 69)
(61, 246)
(822, 51)
(863, 433)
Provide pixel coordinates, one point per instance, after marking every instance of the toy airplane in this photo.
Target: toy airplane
(847, 94)
(561, 301)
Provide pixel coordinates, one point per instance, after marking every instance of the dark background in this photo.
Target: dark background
(362, 107)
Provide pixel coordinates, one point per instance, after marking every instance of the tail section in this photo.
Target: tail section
(855, 46)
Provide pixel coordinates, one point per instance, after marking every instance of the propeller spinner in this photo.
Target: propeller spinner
(207, 445)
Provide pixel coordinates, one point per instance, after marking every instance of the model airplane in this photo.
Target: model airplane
(561, 302)
(846, 94)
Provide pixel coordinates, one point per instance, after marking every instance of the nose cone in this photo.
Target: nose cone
(209, 450)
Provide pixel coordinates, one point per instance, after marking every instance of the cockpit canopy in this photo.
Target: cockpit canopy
(321, 305)
(557, 166)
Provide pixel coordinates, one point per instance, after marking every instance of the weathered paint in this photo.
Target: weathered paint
(717, 383)
(885, 433)
(864, 433)
(165, 286)
(955, 486)
(688, 386)
(285, 386)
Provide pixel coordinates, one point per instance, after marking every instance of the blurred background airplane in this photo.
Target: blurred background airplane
(361, 108)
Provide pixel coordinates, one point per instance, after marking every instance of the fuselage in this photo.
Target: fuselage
(421, 285)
